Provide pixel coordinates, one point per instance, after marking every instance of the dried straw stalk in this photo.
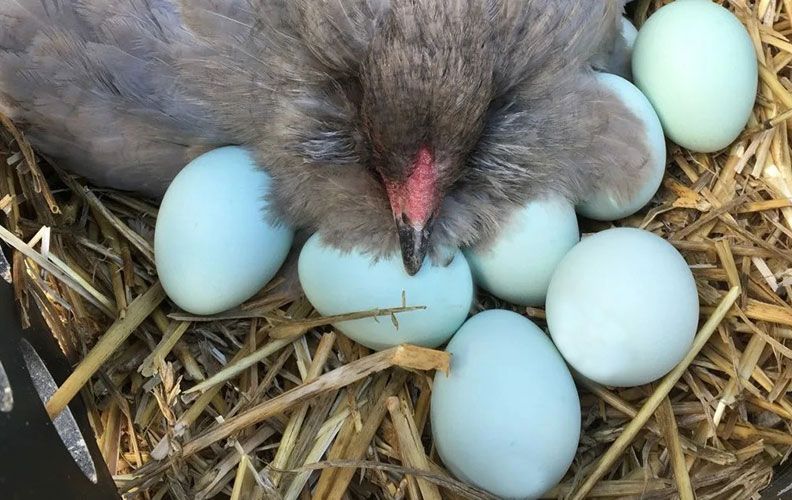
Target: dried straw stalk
(267, 400)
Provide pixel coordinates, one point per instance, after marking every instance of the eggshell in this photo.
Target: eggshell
(605, 205)
(339, 283)
(629, 32)
(696, 63)
(622, 307)
(517, 267)
(507, 417)
(214, 247)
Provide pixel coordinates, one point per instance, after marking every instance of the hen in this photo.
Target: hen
(443, 116)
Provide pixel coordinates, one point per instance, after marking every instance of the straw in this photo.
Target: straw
(271, 397)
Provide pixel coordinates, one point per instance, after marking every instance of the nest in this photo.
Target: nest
(267, 401)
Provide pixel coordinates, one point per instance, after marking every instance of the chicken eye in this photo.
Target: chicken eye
(327, 146)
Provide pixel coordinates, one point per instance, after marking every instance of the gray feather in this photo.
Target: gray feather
(95, 86)
(330, 95)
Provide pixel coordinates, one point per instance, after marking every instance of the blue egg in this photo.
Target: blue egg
(696, 62)
(507, 416)
(213, 245)
(623, 307)
(605, 205)
(340, 283)
(518, 265)
(629, 33)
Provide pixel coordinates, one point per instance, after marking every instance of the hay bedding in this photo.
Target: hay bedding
(267, 401)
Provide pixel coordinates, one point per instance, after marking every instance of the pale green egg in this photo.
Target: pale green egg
(605, 204)
(622, 307)
(337, 282)
(518, 265)
(507, 416)
(629, 32)
(214, 246)
(696, 63)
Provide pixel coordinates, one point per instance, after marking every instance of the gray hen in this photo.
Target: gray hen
(441, 115)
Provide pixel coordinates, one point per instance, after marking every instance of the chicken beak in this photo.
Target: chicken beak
(414, 241)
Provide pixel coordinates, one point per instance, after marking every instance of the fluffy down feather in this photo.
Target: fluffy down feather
(332, 97)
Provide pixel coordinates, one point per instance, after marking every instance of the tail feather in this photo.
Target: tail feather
(95, 86)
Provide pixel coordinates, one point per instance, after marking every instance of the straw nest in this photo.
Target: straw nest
(267, 401)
